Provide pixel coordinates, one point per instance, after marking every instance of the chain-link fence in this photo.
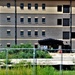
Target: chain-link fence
(31, 61)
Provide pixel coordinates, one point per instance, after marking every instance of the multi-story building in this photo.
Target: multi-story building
(27, 21)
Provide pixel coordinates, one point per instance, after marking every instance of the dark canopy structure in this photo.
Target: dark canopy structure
(50, 41)
(55, 44)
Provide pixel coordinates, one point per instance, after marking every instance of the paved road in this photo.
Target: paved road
(65, 56)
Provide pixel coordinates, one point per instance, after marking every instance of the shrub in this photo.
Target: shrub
(24, 53)
(2, 54)
(42, 54)
(27, 45)
(21, 54)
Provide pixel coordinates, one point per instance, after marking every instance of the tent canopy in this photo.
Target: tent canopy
(50, 41)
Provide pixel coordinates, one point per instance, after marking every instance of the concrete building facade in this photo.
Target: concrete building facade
(27, 21)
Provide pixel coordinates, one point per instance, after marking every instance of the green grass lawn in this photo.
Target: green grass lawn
(30, 71)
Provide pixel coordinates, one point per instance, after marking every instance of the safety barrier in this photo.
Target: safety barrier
(34, 57)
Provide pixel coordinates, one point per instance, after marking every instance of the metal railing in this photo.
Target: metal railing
(35, 61)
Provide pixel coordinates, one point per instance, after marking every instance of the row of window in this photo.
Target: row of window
(59, 21)
(28, 33)
(29, 6)
(29, 19)
(35, 20)
(66, 35)
(65, 21)
(9, 44)
(66, 8)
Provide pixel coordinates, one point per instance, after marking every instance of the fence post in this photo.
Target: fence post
(61, 60)
(61, 64)
(6, 61)
(34, 62)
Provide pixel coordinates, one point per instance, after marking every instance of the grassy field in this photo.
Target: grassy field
(47, 70)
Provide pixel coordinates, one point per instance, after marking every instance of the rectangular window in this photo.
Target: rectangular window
(36, 6)
(65, 21)
(29, 5)
(8, 5)
(43, 6)
(59, 8)
(59, 21)
(8, 44)
(8, 32)
(36, 20)
(22, 33)
(66, 8)
(22, 20)
(29, 33)
(36, 33)
(36, 45)
(43, 33)
(73, 35)
(8, 18)
(22, 5)
(66, 35)
(29, 20)
(43, 20)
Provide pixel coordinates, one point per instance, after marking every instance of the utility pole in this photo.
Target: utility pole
(15, 22)
(70, 22)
